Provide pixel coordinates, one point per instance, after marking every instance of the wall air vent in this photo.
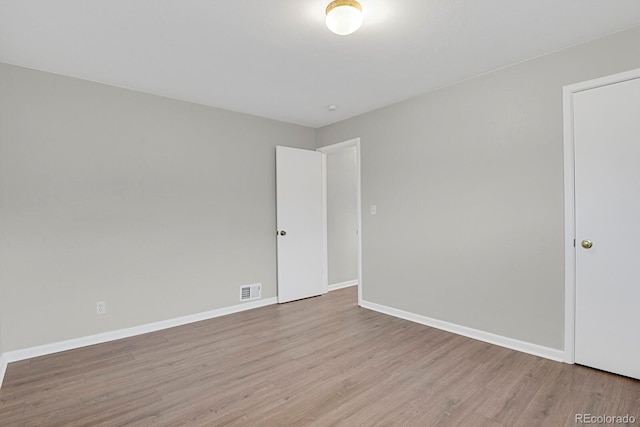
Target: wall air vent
(250, 292)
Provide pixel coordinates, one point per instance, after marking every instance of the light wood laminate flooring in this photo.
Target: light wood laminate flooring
(320, 361)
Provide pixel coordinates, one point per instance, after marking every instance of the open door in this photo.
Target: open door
(299, 223)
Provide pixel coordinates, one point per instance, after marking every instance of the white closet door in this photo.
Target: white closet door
(607, 203)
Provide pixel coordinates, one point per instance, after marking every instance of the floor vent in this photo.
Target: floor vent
(250, 292)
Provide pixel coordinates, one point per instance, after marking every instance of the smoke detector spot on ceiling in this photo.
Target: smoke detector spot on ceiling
(332, 107)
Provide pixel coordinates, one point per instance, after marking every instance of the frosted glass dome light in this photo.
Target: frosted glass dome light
(344, 16)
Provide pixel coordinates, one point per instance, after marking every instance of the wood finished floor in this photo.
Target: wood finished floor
(321, 361)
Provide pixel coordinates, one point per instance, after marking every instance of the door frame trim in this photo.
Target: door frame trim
(355, 142)
(569, 202)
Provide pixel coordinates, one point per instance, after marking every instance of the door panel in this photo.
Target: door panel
(299, 217)
(607, 202)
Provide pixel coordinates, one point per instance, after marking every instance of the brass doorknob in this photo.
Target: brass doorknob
(586, 244)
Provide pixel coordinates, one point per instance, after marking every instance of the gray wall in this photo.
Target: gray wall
(163, 208)
(159, 207)
(468, 183)
(342, 215)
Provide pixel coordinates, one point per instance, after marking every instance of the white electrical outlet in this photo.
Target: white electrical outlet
(101, 307)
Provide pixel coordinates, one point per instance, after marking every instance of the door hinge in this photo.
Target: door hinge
(574, 243)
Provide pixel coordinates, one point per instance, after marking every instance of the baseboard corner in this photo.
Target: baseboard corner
(343, 285)
(488, 337)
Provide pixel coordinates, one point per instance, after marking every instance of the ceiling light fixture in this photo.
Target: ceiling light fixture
(344, 16)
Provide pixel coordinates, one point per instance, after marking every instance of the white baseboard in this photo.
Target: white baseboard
(3, 367)
(42, 350)
(513, 344)
(28, 353)
(342, 285)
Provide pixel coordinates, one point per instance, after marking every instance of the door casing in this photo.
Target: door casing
(346, 144)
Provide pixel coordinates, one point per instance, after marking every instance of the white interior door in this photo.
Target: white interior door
(607, 203)
(299, 223)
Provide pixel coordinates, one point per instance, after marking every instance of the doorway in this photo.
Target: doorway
(342, 216)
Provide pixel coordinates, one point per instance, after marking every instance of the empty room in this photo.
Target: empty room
(290, 213)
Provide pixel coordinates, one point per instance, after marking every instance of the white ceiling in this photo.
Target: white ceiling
(276, 59)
